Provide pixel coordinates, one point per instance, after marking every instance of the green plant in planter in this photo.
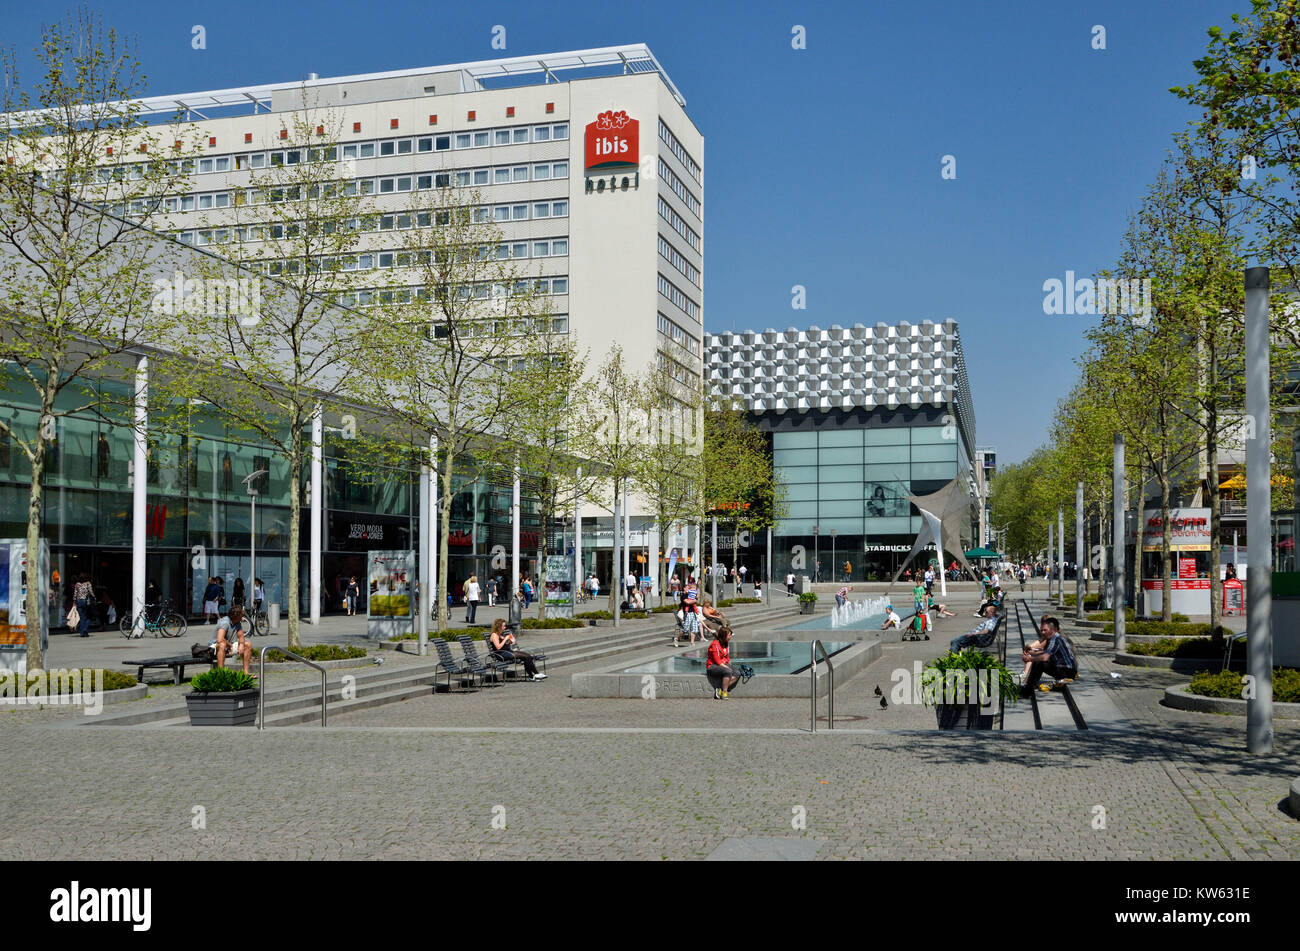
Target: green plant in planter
(222, 680)
(955, 677)
(808, 597)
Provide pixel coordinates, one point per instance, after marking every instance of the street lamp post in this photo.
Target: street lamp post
(833, 559)
(252, 539)
(817, 562)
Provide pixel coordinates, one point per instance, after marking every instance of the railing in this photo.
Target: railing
(830, 692)
(261, 683)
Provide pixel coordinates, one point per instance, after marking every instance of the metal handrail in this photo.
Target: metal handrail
(261, 683)
(830, 693)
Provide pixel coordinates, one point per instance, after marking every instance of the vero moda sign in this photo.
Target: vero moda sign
(613, 142)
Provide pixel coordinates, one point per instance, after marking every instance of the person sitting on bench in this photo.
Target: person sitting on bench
(981, 636)
(711, 619)
(504, 646)
(718, 668)
(1052, 655)
(230, 638)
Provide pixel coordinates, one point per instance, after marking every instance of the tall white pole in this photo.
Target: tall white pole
(1118, 561)
(713, 560)
(943, 575)
(317, 517)
(1078, 552)
(578, 577)
(1060, 548)
(140, 476)
(627, 537)
(614, 564)
(1259, 505)
(514, 530)
(252, 550)
(426, 553)
(435, 539)
(1051, 556)
(767, 568)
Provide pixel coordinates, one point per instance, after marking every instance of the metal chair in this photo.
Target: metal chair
(482, 666)
(452, 666)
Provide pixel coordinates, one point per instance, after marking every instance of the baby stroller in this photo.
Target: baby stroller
(918, 628)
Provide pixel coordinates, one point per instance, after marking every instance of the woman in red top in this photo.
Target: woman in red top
(718, 669)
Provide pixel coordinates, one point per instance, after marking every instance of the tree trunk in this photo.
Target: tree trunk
(295, 539)
(444, 539)
(615, 574)
(543, 548)
(1166, 543)
(1212, 470)
(37, 613)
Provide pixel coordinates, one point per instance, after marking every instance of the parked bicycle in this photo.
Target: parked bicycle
(163, 622)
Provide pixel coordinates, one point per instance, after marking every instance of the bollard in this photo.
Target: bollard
(273, 617)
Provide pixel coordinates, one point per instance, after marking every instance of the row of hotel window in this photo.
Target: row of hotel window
(478, 291)
(395, 222)
(670, 215)
(504, 175)
(667, 138)
(389, 259)
(678, 336)
(520, 135)
(679, 188)
(677, 260)
(677, 371)
(678, 297)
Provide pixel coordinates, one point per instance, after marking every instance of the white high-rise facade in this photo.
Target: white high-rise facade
(595, 182)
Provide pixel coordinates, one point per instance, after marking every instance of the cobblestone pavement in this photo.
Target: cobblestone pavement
(524, 771)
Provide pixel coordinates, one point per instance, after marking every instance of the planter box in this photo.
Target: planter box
(238, 708)
(966, 716)
(807, 607)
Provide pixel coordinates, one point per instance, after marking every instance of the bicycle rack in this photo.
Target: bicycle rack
(261, 683)
(830, 692)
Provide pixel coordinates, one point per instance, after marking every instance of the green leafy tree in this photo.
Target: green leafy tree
(75, 300)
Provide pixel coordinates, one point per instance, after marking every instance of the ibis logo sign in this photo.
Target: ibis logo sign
(613, 142)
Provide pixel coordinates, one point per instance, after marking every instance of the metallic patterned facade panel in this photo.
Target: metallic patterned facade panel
(800, 371)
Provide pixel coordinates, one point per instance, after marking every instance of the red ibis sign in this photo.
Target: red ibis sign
(613, 142)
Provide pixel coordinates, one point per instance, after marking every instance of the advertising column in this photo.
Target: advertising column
(390, 609)
(14, 578)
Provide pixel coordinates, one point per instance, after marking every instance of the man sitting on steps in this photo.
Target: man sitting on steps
(1052, 655)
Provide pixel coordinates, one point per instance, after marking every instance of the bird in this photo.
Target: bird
(878, 693)
(884, 704)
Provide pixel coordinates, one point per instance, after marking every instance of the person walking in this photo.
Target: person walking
(212, 601)
(353, 595)
(789, 585)
(472, 595)
(82, 592)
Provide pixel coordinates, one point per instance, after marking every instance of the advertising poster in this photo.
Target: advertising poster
(559, 586)
(390, 609)
(13, 602)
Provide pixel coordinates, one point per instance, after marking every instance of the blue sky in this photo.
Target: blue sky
(822, 165)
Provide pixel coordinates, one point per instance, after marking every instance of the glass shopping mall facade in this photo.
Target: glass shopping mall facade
(198, 521)
(860, 419)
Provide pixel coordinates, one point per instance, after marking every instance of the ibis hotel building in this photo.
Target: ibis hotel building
(593, 170)
(860, 419)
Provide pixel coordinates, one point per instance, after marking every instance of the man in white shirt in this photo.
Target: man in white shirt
(472, 594)
(789, 585)
(929, 581)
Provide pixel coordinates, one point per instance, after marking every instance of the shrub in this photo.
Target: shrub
(1163, 629)
(1227, 685)
(808, 596)
(320, 652)
(533, 624)
(595, 616)
(662, 609)
(635, 615)
(933, 676)
(113, 680)
(475, 633)
(1182, 647)
(222, 680)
